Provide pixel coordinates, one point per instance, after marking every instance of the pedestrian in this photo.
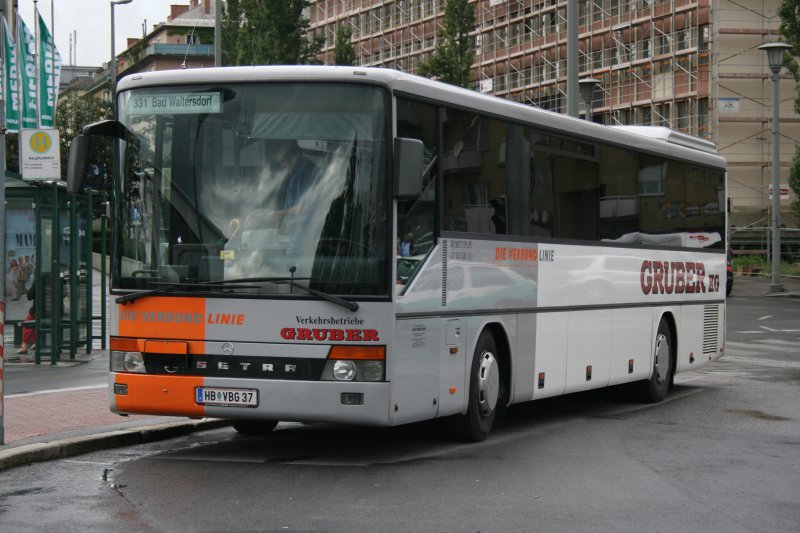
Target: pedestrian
(11, 280)
(20, 277)
(29, 333)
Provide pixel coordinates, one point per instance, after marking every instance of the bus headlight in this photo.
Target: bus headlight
(344, 370)
(127, 362)
(355, 363)
(371, 370)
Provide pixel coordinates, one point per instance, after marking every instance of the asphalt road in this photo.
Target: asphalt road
(722, 453)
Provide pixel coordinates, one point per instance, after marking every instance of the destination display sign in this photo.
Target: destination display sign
(174, 104)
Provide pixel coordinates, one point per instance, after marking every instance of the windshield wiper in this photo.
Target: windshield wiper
(172, 287)
(224, 284)
(292, 281)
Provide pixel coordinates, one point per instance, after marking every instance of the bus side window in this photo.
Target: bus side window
(416, 217)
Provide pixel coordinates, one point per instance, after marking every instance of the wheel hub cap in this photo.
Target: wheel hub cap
(488, 383)
(662, 358)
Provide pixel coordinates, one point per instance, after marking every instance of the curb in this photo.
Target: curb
(59, 449)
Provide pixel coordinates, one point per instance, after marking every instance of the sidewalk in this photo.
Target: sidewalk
(51, 424)
(64, 421)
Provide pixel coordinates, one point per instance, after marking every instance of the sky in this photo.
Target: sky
(91, 19)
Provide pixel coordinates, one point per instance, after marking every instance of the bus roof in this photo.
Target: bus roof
(653, 139)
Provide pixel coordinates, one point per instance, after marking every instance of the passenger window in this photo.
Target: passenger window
(474, 165)
(416, 217)
(619, 194)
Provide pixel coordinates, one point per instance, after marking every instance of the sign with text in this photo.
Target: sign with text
(784, 191)
(39, 154)
(174, 104)
(728, 105)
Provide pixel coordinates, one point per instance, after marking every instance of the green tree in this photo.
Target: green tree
(451, 62)
(12, 152)
(267, 32)
(794, 183)
(344, 53)
(74, 112)
(789, 12)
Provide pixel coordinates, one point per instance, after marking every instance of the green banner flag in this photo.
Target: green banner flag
(11, 86)
(49, 76)
(27, 74)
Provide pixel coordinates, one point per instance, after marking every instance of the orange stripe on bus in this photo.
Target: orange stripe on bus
(125, 344)
(159, 395)
(170, 347)
(163, 318)
(347, 351)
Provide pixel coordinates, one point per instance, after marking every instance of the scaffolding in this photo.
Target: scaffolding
(651, 56)
(395, 34)
(743, 92)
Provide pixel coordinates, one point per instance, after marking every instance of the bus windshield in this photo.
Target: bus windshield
(224, 183)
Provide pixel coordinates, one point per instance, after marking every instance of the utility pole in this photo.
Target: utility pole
(3, 11)
(217, 33)
(572, 58)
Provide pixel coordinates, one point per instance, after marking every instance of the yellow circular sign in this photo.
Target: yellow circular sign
(40, 142)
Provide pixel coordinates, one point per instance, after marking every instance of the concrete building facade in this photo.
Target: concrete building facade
(691, 65)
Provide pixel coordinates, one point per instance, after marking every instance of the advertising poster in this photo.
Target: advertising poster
(20, 260)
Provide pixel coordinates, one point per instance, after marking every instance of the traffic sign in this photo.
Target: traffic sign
(39, 154)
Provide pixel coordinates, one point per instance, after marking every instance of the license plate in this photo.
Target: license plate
(226, 397)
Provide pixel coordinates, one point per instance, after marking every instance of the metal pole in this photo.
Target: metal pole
(103, 251)
(113, 76)
(87, 248)
(53, 60)
(217, 33)
(776, 189)
(36, 62)
(2, 242)
(74, 273)
(572, 58)
(55, 267)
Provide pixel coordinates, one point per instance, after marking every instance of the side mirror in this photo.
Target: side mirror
(79, 150)
(78, 159)
(408, 156)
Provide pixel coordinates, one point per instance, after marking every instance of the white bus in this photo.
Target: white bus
(366, 246)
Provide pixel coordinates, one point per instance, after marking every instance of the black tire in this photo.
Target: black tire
(484, 392)
(254, 427)
(654, 390)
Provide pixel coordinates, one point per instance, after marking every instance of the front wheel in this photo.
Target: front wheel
(654, 389)
(254, 427)
(484, 392)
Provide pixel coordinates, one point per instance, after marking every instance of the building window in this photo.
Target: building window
(597, 58)
(683, 116)
(663, 44)
(683, 40)
(702, 118)
(597, 10)
(645, 48)
(583, 12)
(662, 117)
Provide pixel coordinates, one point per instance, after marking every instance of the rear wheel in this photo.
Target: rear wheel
(484, 392)
(654, 389)
(254, 427)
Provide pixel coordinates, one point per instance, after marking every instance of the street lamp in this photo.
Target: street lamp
(587, 86)
(775, 59)
(113, 53)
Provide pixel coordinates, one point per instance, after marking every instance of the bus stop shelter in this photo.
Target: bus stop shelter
(48, 244)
